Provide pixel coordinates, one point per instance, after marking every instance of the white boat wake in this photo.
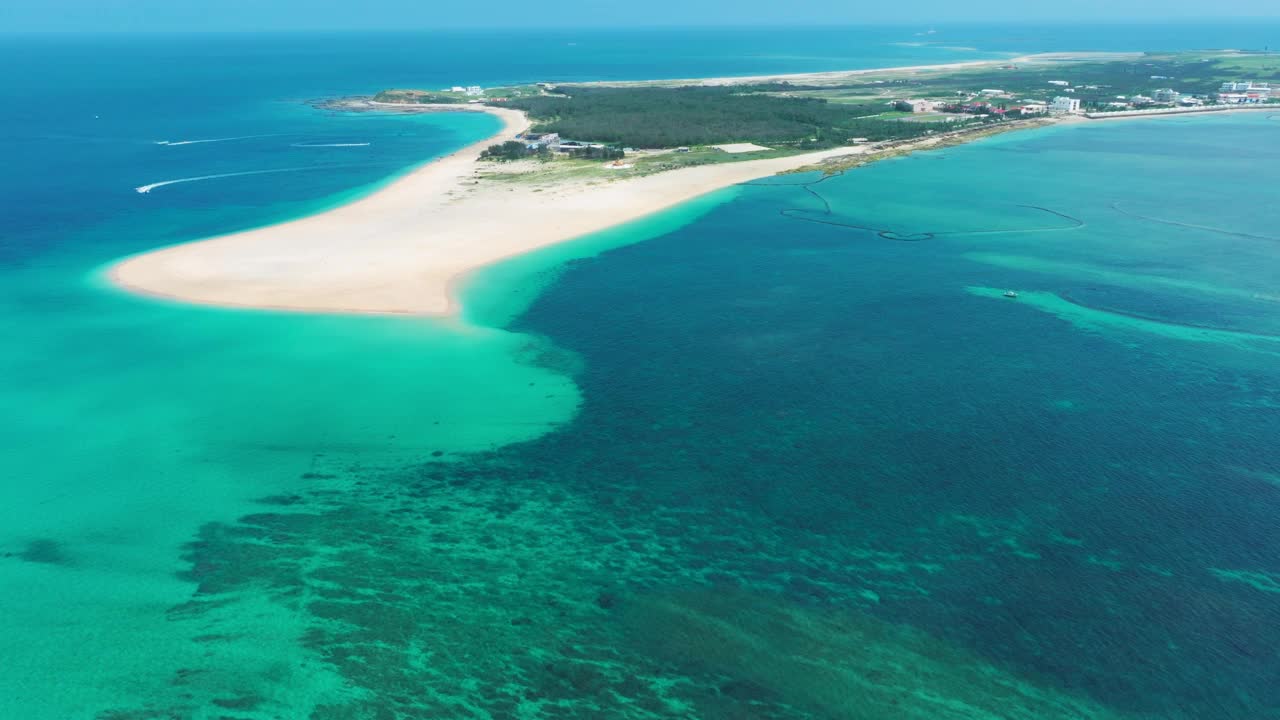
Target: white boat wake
(152, 186)
(172, 143)
(309, 145)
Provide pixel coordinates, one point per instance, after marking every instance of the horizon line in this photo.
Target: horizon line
(762, 25)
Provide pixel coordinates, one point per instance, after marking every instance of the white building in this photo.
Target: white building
(474, 90)
(922, 106)
(551, 141)
(1244, 92)
(1034, 109)
(1166, 95)
(1243, 86)
(1065, 105)
(1059, 83)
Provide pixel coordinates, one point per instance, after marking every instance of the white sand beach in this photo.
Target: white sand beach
(835, 77)
(404, 248)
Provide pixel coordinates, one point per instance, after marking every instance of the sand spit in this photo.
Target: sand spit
(403, 249)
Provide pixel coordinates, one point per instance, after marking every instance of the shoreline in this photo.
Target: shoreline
(408, 248)
(840, 75)
(154, 273)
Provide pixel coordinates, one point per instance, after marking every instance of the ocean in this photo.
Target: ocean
(783, 452)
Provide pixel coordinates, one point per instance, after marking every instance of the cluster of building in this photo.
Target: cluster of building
(1230, 93)
(472, 90)
(1247, 92)
(984, 102)
(983, 107)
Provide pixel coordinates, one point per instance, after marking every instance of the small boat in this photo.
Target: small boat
(1010, 294)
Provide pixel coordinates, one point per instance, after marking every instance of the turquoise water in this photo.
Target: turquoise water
(772, 461)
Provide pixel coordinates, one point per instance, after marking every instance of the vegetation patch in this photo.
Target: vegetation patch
(658, 117)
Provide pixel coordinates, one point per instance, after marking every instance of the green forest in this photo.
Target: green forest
(657, 117)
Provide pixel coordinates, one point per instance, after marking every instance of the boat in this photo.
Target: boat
(1010, 294)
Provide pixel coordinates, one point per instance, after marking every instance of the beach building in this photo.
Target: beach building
(457, 88)
(1166, 95)
(1244, 86)
(1140, 100)
(1064, 104)
(1241, 98)
(1033, 109)
(537, 141)
(922, 106)
(474, 90)
(1059, 83)
(1241, 93)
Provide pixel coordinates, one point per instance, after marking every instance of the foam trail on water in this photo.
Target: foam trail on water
(152, 186)
(310, 145)
(172, 143)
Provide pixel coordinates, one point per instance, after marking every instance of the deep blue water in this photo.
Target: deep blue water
(815, 472)
(1061, 494)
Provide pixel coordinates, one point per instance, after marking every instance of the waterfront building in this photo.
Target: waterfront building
(1247, 92)
(1166, 95)
(1063, 104)
(537, 141)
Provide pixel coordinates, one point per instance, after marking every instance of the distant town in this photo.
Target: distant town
(1065, 101)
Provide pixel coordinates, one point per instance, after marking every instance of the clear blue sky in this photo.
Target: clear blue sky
(219, 15)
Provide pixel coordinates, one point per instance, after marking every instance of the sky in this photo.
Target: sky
(277, 15)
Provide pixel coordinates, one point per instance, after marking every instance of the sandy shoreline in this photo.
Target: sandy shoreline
(406, 248)
(402, 249)
(837, 76)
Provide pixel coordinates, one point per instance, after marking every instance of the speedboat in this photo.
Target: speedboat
(1010, 294)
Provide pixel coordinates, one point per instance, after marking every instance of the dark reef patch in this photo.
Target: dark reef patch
(45, 552)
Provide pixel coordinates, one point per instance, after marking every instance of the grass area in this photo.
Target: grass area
(420, 97)
(449, 97)
(560, 168)
(1265, 66)
(551, 171)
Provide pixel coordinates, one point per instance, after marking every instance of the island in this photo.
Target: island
(573, 159)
